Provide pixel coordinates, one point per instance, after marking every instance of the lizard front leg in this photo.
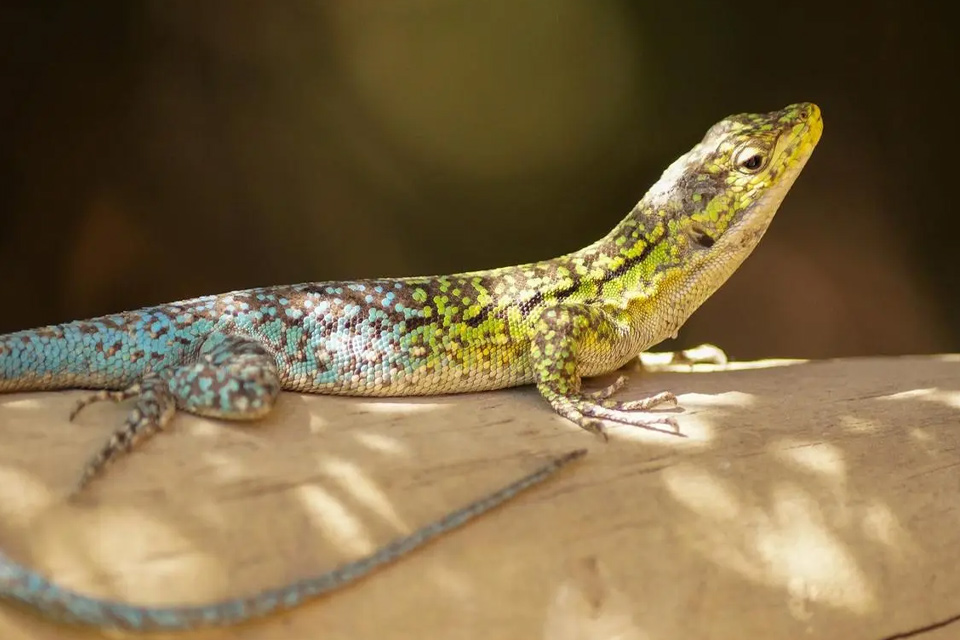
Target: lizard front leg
(231, 377)
(559, 339)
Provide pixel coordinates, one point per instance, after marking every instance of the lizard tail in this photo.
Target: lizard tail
(110, 352)
(29, 589)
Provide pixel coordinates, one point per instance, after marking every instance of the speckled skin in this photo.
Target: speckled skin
(547, 323)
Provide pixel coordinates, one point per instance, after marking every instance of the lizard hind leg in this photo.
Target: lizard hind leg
(231, 377)
(234, 378)
(154, 409)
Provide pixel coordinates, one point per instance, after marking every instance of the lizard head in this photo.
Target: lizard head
(711, 206)
(747, 163)
(721, 196)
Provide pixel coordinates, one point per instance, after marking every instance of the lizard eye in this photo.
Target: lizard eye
(750, 159)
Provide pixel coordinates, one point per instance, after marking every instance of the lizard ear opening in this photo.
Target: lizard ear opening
(700, 236)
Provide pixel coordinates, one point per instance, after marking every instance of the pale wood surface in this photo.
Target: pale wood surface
(813, 500)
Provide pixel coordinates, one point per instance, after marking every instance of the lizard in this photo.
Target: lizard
(549, 324)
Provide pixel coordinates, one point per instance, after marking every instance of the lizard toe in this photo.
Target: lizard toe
(103, 395)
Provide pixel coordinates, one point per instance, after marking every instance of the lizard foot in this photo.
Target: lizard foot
(602, 398)
(590, 410)
(701, 354)
(154, 409)
(101, 396)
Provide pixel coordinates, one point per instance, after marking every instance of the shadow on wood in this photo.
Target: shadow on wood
(813, 499)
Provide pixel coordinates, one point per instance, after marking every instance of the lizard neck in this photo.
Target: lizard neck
(632, 260)
(646, 268)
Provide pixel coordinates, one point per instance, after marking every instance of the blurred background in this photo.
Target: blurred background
(155, 151)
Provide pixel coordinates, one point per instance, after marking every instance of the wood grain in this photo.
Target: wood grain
(810, 499)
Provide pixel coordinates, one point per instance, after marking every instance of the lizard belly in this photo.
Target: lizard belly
(595, 362)
(357, 364)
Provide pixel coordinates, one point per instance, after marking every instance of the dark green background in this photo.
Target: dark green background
(153, 151)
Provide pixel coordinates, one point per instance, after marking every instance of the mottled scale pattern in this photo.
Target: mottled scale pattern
(549, 323)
